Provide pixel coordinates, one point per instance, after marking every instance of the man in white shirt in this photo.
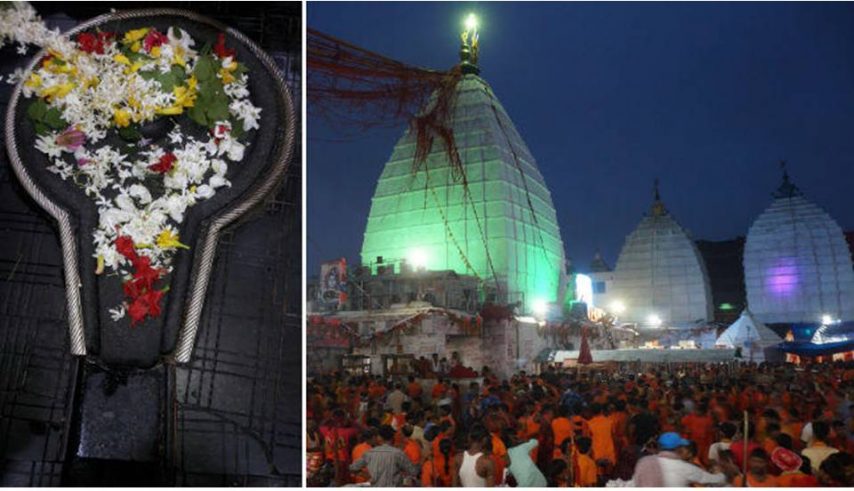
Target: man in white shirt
(672, 470)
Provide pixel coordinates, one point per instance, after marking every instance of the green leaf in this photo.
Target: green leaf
(41, 129)
(168, 80)
(37, 110)
(130, 133)
(53, 118)
(204, 70)
(197, 114)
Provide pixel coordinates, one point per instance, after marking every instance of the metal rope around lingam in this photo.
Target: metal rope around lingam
(207, 242)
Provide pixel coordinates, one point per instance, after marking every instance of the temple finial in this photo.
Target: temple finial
(787, 189)
(470, 46)
(657, 206)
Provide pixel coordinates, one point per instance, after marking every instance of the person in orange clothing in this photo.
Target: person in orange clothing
(411, 447)
(365, 439)
(586, 471)
(757, 472)
(561, 426)
(527, 425)
(436, 471)
(772, 431)
(439, 389)
(414, 389)
(794, 469)
(699, 427)
(620, 419)
(601, 430)
(579, 421)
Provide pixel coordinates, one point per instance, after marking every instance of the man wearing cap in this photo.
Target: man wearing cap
(669, 469)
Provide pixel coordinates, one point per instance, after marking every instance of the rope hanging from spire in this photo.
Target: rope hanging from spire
(357, 87)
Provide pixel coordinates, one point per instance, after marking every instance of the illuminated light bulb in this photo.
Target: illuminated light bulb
(471, 22)
(539, 307)
(417, 258)
(618, 307)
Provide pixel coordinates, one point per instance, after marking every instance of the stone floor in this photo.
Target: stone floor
(237, 412)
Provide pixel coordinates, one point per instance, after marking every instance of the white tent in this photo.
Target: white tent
(753, 337)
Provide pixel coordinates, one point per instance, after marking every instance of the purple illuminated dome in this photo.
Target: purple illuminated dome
(797, 266)
(782, 278)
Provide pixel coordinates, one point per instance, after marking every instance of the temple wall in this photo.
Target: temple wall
(495, 348)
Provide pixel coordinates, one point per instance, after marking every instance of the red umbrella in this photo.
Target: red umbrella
(584, 356)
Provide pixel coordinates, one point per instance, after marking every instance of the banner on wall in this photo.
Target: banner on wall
(333, 284)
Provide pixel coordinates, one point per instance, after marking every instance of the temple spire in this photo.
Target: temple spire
(470, 46)
(657, 205)
(787, 189)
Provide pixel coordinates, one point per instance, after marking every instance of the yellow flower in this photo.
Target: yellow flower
(225, 73)
(57, 91)
(121, 117)
(92, 82)
(155, 52)
(226, 76)
(100, 266)
(186, 96)
(120, 58)
(178, 56)
(134, 103)
(61, 68)
(133, 68)
(135, 35)
(169, 240)
(34, 81)
(136, 46)
(171, 111)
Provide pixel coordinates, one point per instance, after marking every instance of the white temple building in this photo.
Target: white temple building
(797, 264)
(756, 340)
(660, 278)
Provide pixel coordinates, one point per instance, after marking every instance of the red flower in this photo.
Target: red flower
(124, 246)
(93, 43)
(137, 310)
(165, 163)
(131, 288)
(220, 49)
(153, 298)
(88, 43)
(144, 275)
(153, 39)
(144, 305)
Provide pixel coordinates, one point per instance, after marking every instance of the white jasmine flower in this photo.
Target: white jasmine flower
(117, 313)
(244, 110)
(204, 191)
(141, 193)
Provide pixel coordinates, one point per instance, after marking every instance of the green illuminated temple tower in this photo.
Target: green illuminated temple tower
(506, 232)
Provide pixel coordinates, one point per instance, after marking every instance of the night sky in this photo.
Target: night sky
(706, 97)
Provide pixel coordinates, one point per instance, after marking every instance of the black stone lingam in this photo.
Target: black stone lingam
(124, 362)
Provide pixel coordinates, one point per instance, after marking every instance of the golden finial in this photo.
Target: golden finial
(470, 45)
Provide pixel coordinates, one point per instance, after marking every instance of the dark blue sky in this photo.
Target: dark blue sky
(707, 97)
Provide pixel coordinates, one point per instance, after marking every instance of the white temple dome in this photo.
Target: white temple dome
(797, 265)
(660, 274)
